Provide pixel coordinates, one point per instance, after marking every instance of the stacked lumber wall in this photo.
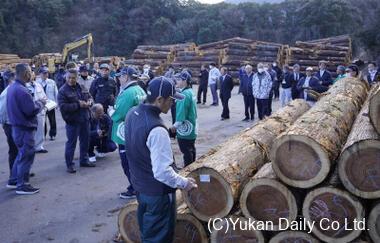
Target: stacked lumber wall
(10, 60)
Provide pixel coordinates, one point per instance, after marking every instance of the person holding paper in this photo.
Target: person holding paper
(51, 92)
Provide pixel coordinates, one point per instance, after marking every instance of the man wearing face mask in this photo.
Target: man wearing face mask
(261, 87)
(323, 75)
(373, 74)
(104, 89)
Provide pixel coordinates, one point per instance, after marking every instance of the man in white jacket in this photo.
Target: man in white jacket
(50, 88)
(213, 77)
(38, 93)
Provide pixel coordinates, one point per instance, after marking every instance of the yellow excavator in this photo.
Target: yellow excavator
(53, 59)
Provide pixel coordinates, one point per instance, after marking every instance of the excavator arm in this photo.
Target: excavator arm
(87, 39)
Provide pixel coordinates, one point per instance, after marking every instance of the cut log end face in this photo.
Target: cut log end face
(213, 197)
(128, 224)
(293, 237)
(374, 110)
(267, 203)
(374, 224)
(187, 232)
(238, 234)
(300, 162)
(325, 206)
(362, 170)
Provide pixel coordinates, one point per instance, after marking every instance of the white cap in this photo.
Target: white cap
(309, 69)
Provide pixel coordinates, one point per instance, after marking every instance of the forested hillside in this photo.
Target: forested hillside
(28, 27)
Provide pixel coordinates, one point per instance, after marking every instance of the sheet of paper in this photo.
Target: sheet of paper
(50, 105)
(204, 178)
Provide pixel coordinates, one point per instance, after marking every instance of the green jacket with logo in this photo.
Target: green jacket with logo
(131, 96)
(186, 116)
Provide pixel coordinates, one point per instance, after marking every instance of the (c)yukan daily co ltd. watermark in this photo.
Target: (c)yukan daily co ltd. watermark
(324, 224)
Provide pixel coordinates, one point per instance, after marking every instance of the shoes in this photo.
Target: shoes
(27, 190)
(42, 151)
(52, 138)
(92, 159)
(11, 185)
(71, 170)
(224, 118)
(198, 102)
(203, 103)
(127, 195)
(89, 164)
(252, 119)
(245, 119)
(99, 155)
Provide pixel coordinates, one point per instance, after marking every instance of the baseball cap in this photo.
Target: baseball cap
(83, 68)
(162, 86)
(104, 66)
(43, 70)
(309, 69)
(130, 71)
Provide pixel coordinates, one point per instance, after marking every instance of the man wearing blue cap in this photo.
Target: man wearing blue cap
(131, 94)
(51, 91)
(151, 163)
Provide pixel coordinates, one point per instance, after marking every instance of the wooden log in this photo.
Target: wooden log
(321, 46)
(336, 40)
(315, 62)
(325, 205)
(322, 53)
(265, 47)
(128, 223)
(238, 52)
(374, 223)
(296, 57)
(374, 109)
(150, 56)
(241, 234)
(303, 155)
(220, 174)
(264, 198)
(186, 53)
(155, 48)
(359, 163)
(187, 228)
(293, 237)
(195, 58)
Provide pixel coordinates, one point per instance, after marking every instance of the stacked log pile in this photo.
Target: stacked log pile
(10, 60)
(335, 51)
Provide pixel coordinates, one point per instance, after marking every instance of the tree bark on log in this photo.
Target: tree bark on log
(321, 46)
(264, 198)
(293, 236)
(220, 174)
(303, 155)
(235, 236)
(374, 109)
(327, 204)
(359, 163)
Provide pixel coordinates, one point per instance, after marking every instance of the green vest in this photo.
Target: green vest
(131, 96)
(186, 115)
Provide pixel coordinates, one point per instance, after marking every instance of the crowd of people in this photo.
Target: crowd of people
(109, 109)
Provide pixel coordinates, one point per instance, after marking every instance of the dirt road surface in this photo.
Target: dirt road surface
(83, 207)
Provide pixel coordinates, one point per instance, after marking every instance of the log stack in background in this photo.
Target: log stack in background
(10, 60)
(335, 51)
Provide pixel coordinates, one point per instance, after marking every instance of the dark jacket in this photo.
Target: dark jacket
(104, 91)
(59, 78)
(68, 101)
(21, 108)
(203, 78)
(139, 122)
(286, 80)
(326, 78)
(246, 84)
(104, 124)
(226, 86)
(376, 78)
(294, 81)
(314, 84)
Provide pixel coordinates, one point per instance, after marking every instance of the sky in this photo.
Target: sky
(210, 1)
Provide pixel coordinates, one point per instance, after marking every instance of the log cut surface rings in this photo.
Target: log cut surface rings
(128, 224)
(374, 109)
(300, 161)
(325, 205)
(268, 200)
(213, 198)
(374, 223)
(293, 236)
